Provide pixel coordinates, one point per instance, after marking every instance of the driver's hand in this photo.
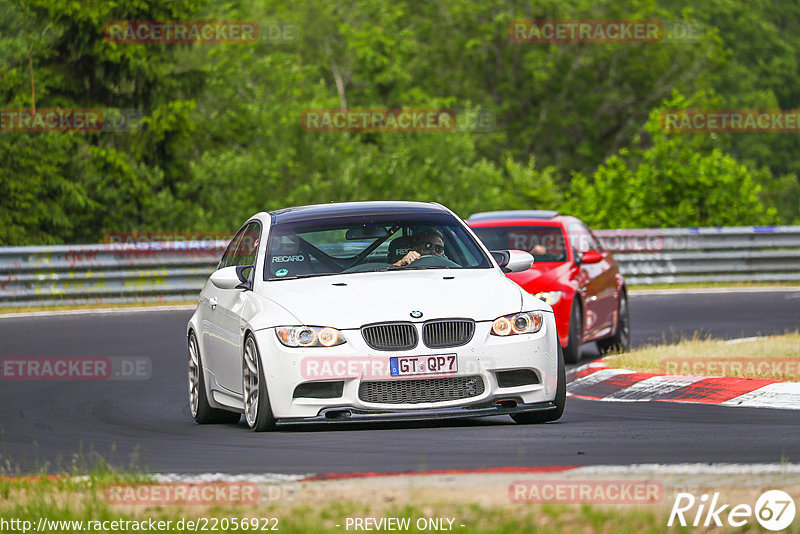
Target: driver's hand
(412, 256)
(538, 249)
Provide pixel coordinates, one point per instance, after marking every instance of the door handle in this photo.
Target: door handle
(213, 302)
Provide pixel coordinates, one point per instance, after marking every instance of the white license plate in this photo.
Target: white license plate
(423, 365)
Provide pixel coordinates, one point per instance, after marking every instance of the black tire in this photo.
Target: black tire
(621, 340)
(258, 412)
(201, 410)
(572, 352)
(560, 400)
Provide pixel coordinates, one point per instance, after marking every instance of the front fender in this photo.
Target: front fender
(260, 312)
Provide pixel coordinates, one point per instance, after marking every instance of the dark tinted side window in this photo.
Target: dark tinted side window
(546, 243)
(227, 258)
(247, 247)
(581, 238)
(243, 247)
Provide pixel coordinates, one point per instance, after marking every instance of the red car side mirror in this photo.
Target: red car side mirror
(591, 256)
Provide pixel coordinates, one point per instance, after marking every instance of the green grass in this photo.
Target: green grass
(68, 500)
(713, 357)
(83, 499)
(100, 306)
(712, 285)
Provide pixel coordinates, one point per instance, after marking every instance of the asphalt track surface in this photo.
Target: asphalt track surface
(146, 424)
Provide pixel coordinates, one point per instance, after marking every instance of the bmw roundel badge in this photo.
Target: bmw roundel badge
(416, 314)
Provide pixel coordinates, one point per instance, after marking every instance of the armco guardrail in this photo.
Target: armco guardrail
(725, 254)
(113, 272)
(176, 270)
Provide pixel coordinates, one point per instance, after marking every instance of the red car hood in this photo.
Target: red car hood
(543, 277)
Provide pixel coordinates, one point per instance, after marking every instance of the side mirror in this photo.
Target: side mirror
(231, 278)
(512, 261)
(590, 256)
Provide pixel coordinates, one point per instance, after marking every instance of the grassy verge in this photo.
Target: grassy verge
(774, 357)
(84, 500)
(712, 285)
(99, 306)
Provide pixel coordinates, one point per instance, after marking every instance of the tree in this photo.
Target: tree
(679, 180)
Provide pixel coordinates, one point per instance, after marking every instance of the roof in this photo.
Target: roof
(512, 214)
(339, 209)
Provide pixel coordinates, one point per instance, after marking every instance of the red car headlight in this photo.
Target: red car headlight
(549, 297)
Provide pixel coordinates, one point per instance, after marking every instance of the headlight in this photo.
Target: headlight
(309, 336)
(549, 297)
(517, 323)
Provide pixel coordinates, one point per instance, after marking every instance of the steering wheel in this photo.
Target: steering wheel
(432, 260)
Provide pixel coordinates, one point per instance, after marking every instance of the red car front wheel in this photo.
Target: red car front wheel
(621, 340)
(572, 352)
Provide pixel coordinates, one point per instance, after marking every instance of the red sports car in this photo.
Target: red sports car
(580, 281)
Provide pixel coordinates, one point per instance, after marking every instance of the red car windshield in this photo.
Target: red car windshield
(546, 243)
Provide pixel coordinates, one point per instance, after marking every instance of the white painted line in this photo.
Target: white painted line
(744, 339)
(100, 311)
(653, 387)
(599, 376)
(596, 365)
(691, 469)
(782, 395)
(714, 469)
(266, 478)
(633, 469)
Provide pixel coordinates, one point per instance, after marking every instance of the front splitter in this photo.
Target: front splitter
(354, 415)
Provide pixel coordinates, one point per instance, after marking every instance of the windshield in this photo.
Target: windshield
(545, 243)
(370, 244)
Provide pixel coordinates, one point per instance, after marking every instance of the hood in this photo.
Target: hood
(353, 300)
(543, 277)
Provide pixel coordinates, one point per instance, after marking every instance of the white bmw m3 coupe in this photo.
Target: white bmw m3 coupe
(369, 311)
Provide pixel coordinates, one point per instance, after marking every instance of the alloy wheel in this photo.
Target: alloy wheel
(194, 376)
(250, 378)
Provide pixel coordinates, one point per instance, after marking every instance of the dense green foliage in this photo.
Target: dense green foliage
(577, 125)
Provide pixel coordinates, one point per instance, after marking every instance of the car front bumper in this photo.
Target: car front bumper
(484, 356)
(346, 415)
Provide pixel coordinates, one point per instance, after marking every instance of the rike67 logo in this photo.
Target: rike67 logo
(774, 510)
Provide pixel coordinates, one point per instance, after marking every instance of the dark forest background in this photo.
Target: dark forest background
(577, 125)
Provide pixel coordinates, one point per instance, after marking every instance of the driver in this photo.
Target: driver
(428, 242)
